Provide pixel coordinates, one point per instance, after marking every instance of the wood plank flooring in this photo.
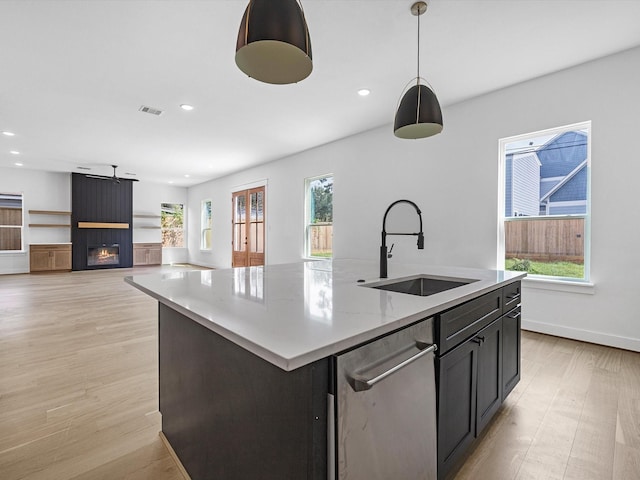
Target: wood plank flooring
(79, 393)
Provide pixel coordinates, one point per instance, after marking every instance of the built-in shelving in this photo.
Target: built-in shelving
(50, 212)
(50, 225)
(146, 225)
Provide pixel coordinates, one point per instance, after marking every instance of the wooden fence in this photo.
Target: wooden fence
(321, 239)
(545, 239)
(10, 238)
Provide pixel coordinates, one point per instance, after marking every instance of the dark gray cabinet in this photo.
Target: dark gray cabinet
(475, 371)
(489, 394)
(510, 351)
(456, 406)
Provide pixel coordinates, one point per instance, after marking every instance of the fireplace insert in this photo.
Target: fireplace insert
(98, 255)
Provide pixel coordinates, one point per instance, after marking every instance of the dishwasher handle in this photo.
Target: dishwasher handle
(360, 385)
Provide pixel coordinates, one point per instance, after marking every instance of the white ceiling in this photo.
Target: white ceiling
(74, 74)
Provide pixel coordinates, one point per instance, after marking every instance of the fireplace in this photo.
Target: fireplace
(99, 255)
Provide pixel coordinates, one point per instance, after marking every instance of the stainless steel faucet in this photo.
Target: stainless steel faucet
(384, 254)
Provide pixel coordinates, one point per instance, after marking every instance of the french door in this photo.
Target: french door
(247, 219)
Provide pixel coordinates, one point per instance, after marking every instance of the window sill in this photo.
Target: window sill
(586, 288)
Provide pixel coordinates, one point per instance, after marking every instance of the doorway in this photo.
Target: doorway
(247, 219)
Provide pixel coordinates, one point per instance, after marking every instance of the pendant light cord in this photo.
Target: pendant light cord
(418, 76)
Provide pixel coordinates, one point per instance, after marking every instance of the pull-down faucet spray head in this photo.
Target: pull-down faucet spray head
(384, 254)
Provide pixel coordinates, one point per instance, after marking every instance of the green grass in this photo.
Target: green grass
(321, 255)
(554, 269)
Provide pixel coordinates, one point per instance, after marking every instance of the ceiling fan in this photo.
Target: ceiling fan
(114, 178)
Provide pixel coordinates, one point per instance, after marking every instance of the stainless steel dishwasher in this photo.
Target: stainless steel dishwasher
(386, 408)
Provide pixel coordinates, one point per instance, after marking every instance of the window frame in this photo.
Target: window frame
(502, 218)
(21, 227)
(184, 223)
(203, 227)
(307, 216)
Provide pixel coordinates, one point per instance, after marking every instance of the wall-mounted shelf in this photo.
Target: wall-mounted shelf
(49, 212)
(50, 225)
(146, 225)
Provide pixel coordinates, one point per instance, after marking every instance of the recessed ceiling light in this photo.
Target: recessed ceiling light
(8, 134)
(170, 181)
(363, 92)
(187, 176)
(13, 152)
(186, 107)
(18, 164)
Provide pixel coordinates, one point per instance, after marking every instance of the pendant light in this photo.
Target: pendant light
(273, 42)
(418, 114)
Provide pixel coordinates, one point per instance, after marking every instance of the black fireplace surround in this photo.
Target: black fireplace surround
(104, 203)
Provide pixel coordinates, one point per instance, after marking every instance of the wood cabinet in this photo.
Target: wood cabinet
(476, 370)
(49, 257)
(147, 254)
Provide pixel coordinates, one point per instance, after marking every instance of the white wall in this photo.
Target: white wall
(147, 198)
(52, 191)
(453, 178)
(41, 191)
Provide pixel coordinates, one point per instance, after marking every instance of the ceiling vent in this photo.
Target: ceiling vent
(84, 168)
(151, 110)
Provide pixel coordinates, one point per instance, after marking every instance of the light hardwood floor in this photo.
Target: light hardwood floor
(79, 393)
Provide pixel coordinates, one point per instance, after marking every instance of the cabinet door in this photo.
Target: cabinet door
(510, 351)
(140, 256)
(62, 259)
(489, 341)
(155, 256)
(39, 260)
(457, 382)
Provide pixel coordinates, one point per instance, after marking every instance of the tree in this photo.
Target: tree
(322, 200)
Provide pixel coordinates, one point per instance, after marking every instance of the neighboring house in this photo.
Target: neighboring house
(552, 180)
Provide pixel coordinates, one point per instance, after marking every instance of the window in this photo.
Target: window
(319, 216)
(172, 224)
(545, 206)
(205, 225)
(10, 221)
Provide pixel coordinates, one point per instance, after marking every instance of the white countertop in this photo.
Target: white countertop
(294, 314)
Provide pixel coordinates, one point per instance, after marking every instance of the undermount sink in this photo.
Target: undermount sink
(421, 285)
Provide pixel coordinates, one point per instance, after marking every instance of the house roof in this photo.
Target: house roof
(562, 154)
(572, 187)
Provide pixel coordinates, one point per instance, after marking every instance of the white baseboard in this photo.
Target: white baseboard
(600, 338)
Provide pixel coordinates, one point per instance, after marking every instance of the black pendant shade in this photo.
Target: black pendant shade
(419, 114)
(273, 42)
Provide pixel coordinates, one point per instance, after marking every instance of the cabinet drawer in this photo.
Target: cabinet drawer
(50, 248)
(511, 296)
(463, 321)
(147, 245)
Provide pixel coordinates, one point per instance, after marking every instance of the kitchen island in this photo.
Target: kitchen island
(246, 355)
